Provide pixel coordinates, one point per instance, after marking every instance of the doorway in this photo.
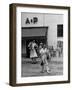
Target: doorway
(39, 34)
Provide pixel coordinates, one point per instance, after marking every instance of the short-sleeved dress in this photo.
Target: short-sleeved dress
(33, 52)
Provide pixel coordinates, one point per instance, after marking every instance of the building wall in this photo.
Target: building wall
(30, 16)
(48, 20)
(51, 20)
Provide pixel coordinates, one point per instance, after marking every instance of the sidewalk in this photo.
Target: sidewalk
(29, 69)
(53, 59)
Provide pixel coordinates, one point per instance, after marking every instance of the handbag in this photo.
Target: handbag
(42, 63)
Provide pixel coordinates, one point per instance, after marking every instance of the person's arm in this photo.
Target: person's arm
(29, 44)
(36, 45)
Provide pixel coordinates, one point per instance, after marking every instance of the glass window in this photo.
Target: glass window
(60, 30)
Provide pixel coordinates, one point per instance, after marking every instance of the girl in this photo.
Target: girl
(44, 63)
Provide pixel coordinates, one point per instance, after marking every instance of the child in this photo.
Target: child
(44, 63)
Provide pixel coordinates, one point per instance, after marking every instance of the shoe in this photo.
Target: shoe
(48, 71)
(42, 71)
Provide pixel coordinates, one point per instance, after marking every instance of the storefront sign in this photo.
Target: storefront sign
(34, 20)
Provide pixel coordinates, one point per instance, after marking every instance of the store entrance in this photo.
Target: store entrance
(39, 34)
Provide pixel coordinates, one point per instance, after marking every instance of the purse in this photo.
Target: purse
(42, 63)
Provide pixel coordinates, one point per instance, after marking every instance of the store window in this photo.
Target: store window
(60, 30)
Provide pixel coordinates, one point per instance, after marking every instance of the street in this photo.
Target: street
(28, 69)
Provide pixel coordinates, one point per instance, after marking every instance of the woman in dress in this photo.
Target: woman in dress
(33, 54)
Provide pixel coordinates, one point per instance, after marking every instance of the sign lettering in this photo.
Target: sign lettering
(34, 20)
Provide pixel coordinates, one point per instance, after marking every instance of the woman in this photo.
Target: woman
(33, 54)
(44, 63)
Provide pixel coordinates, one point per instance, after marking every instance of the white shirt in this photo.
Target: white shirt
(43, 51)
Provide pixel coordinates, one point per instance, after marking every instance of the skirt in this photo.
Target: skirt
(33, 53)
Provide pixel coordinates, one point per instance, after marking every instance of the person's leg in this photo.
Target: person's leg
(32, 60)
(42, 68)
(46, 66)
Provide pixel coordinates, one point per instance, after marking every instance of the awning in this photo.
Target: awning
(29, 32)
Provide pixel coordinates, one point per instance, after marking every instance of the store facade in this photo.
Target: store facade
(41, 28)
